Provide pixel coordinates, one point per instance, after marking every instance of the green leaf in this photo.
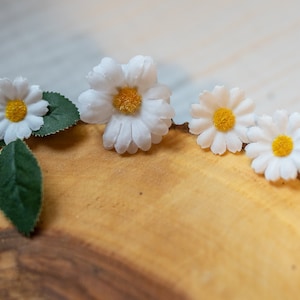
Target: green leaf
(62, 114)
(2, 143)
(20, 186)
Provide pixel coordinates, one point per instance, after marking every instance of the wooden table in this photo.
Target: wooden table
(176, 222)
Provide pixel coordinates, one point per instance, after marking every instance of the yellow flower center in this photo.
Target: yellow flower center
(224, 119)
(282, 145)
(128, 100)
(16, 110)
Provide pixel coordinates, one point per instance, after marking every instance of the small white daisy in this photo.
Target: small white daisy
(128, 98)
(275, 145)
(21, 109)
(221, 119)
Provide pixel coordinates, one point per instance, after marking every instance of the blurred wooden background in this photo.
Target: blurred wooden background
(177, 222)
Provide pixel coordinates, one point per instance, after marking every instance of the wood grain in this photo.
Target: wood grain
(175, 223)
(59, 266)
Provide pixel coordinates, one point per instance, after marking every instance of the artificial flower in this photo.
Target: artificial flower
(128, 98)
(221, 119)
(275, 145)
(21, 109)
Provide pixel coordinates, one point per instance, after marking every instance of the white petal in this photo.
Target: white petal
(34, 122)
(244, 108)
(272, 171)
(241, 132)
(222, 96)
(260, 163)
(196, 110)
(111, 132)
(155, 125)
(205, 139)
(107, 76)
(246, 120)
(219, 144)
(196, 126)
(296, 137)
(200, 111)
(267, 126)
(256, 134)
(294, 123)
(141, 73)
(39, 108)
(7, 89)
(233, 143)
(168, 122)
(4, 123)
(158, 91)
(160, 108)
(3, 99)
(295, 156)
(281, 118)
(209, 101)
(22, 130)
(141, 135)
(21, 87)
(11, 133)
(257, 149)
(94, 107)
(156, 139)
(34, 95)
(133, 148)
(124, 137)
(287, 169)
(236, 97)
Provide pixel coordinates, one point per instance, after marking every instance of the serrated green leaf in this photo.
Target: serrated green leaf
(20, 186)
(62, 114)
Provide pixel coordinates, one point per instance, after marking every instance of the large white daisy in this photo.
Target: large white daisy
(128, 98)
(221, 119)
(275, 145)
(21, 109)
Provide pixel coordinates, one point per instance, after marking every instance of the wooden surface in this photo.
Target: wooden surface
(176, 222)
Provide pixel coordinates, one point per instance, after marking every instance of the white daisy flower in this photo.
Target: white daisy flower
(21, 109)
(221, 119)
(275, 145)
(128, 98)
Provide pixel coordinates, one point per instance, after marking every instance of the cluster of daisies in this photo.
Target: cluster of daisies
(137, 112)
(224, 121)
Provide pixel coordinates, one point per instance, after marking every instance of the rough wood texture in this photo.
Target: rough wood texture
(59, 266)
(174, 223)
